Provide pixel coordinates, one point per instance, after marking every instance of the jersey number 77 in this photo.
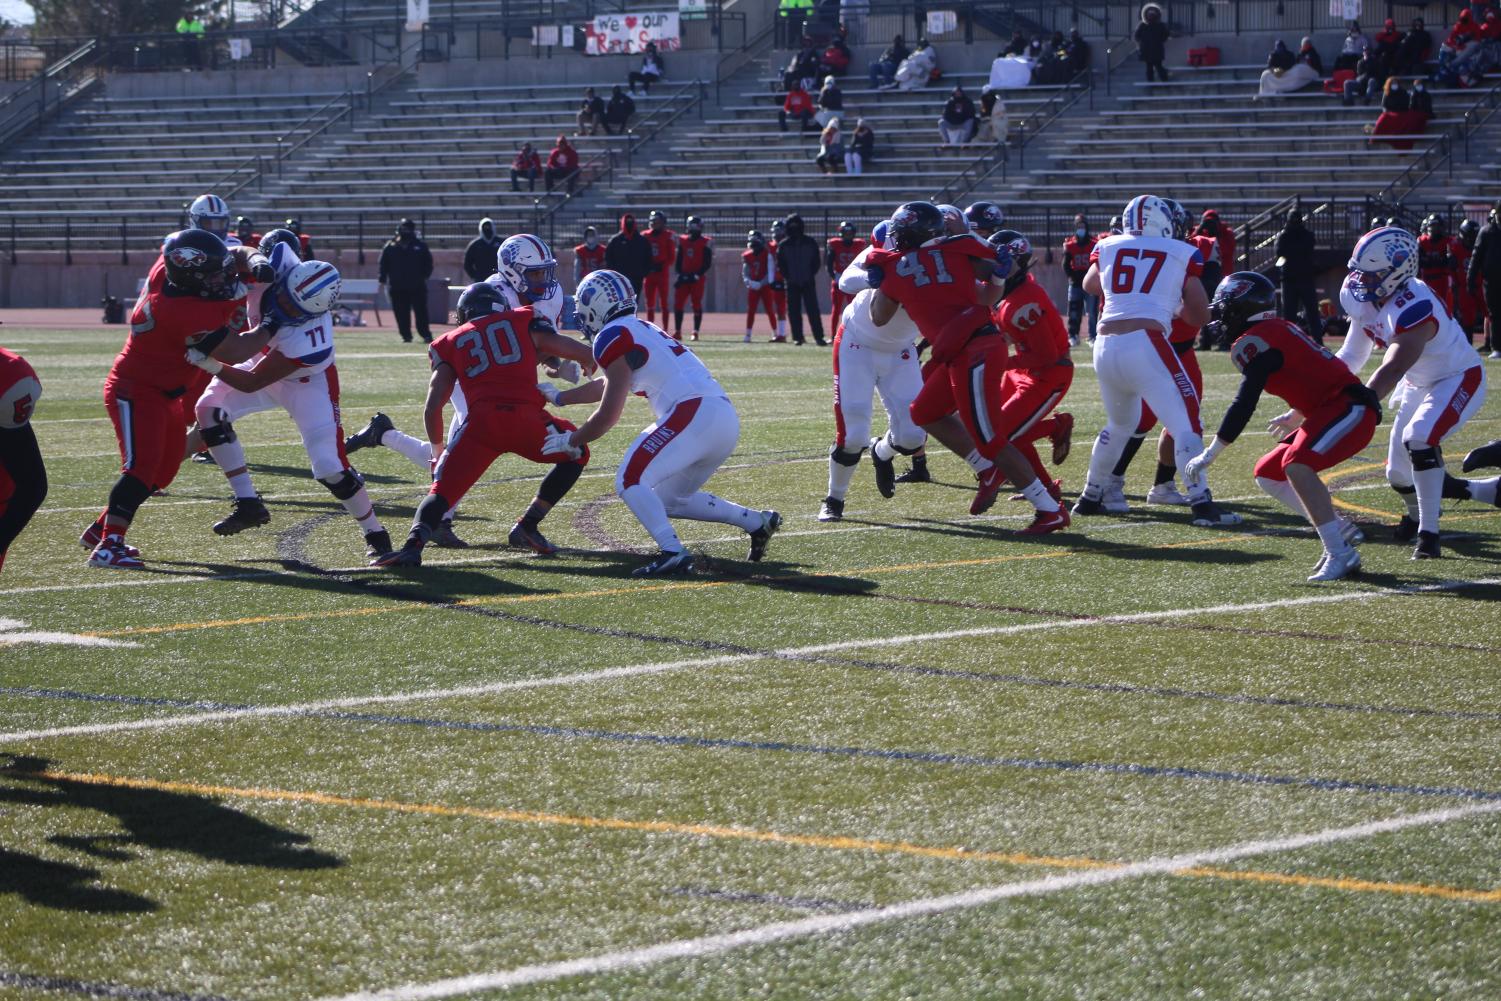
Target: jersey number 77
(1134, 262)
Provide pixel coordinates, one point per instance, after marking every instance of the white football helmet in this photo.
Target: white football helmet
(1147, 215)
(527, 266)
(1383, 261)
(308, 290)
(211, 213)
(603, 296)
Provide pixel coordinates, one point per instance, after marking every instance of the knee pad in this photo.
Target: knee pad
(219, 432)
(844, 457)
(1424, 457)
(899, 443)
(345, 485)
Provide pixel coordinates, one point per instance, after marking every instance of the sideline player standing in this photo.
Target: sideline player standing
(758, 273)
(695, 430)
(1144, 275)
(1076, 251)
(23, 475)
(695, 255)
(588, 256)
(841, 253)
(663, 243)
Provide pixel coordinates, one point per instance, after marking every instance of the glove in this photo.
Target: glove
(779, 286)
(203, 361)
(263, 273)
(1202, 461)
(1002, 261)
(753, 286)
(561, 443)
(1362, 394)
(874, 275)
(549, 392)
(1286, 424)
(568, 319)
(567, 369)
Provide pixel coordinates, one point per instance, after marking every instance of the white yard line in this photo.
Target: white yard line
(660, 667)
(710, 945)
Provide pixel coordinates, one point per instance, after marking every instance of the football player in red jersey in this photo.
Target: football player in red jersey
(198, 306)
(778, 284)
(758, 271)
(588, 256)
(23, 476)
(664, 248)
(1439, 256)
(934, 278)
(842, 250)
(1076, 251)
(1337, 413)
(493, 358)
(695, 255)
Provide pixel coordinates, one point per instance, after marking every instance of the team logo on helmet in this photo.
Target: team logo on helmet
(187, 257)
(904, 216)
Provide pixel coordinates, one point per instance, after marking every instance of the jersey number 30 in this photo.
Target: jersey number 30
(1129, 266)
(485, 347)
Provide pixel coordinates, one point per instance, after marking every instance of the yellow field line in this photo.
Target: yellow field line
(715, 831)
(1385, 516)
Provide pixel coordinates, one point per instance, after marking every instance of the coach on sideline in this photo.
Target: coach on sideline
(405, 266)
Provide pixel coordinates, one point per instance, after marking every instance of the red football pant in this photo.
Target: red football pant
(837, 301)
(1031, 395)
(655, 290)
(692, 290)
(149, 430)
(757, 297)
(1331, 434)
(486, 433)
(187, 401)
(1189, 358)
(970, 384)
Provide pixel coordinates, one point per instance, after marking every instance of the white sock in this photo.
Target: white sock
(242, 485)
(1039, 496)
(1430, 484)
(231, 455)
(1283, 491)
(883, 450)
(1185, 448)
(748, 332)
(781, 328)
(1331, 535)
(839, 479)
(648, 509)
(363, 511)
(1103, 457)
(1484, 491)
(707, 507)
(977, 462)
(416, 450)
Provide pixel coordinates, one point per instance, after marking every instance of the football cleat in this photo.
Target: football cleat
(1350, 532)
(1113, 497)
(444, 538)
(770, 523)
(1336, 566)
(832, 509)
(985, 494)
(1406, 530)
(885, 471)
(1208, 514)
(1047, 521)
(1427, 547)
(1485, 455)
(1086, 506)
(1062, 436)
(1166, 493)
(370, 435)
(94, 534)
(529, 538)
(406, 556)
(917, 474)
(378, 544)
(205, 457)
(112, 552)
(666, 563)
(746, 340)
(248, 512)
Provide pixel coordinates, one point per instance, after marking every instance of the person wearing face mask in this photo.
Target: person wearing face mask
(588, 256)
(1216, 243)
(405, 266)
(695, 255)
(479, 256)
(1076, 251)
(1421, 101)
(799, 261)
(1295, 249)
(629, 253)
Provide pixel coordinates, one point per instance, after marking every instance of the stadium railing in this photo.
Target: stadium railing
(46, 93)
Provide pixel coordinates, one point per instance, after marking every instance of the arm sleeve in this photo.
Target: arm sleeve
(1252, 383)
(852, 279)
(22, 460)
(1356, 350)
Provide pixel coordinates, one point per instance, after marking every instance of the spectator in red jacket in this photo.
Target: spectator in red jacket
(799, 105)
(562, 164)
(1216, 244)
(528, 165)
(835, 60)
(1387, 44)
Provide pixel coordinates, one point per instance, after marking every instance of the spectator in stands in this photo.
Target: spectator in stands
(798, 262)
(652, 69)
(1052, 62)
(1394, 97)
(1351, 48)
(1285, 73)
(1367, 82)
(1077, 51)
(830, 149)
(797, 104)
(1216, 245)
(1151, 42)
(591, 117)
(479, 256)
(629, 253)
(618, 112)
(883, 70)
(405, 266)
(862, 146)
(1035, 48)
(1309, 55)
(562, 164)
(830, 101)
(1415, 49)
(1388, 41)
(295, 225)
(1016, 47)
(993, 124)
(957, 124)
(1295, 256)
(527, 164)
(802, 67)
(918, 68)
(1422, 100)
(836, 58)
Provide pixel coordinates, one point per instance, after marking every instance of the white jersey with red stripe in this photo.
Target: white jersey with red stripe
(549, 307)
(662, 369)
(309, 344)
(1373, 325)
(1143, 276)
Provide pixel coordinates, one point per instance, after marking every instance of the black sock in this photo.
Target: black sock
(126, 497)
(919, 462)
(698, 321)
(558, 482)
(1132, 447)
(1165, 474)
(677, 321)
(534, 515)
(429, 516)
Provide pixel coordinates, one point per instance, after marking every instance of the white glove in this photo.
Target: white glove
(568, 370)
(1202, 461)
(753, 286)
(549, 392)
(203, 361)
(561, 443)
(1285, 424)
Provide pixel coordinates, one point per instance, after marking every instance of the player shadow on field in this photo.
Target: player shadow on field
(64, 886)
(302, 473)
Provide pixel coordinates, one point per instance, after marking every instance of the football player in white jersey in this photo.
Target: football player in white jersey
(1435, 379)
(696, 426)
(867, 360)
(1146, 278)
(288, 362)
(210, 212)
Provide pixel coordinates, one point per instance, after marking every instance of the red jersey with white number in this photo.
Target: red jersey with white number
(662, 369)
(19, 390)
(1438, 260)
(663, 247)
(1310, 374)
(843, 252)
(1143, 276)
(1076, 257)
(494, 358)
(692, 253)
(163, 325)
(589, 258)
(758, 267)
(936, 284)
(1030, 323)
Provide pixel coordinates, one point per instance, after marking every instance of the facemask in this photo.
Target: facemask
(1081, 232)
(591, 241)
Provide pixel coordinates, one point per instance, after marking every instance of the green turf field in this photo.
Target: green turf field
(910, 755)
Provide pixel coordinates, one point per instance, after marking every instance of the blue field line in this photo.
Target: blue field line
(68, 695)
(95, 989)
